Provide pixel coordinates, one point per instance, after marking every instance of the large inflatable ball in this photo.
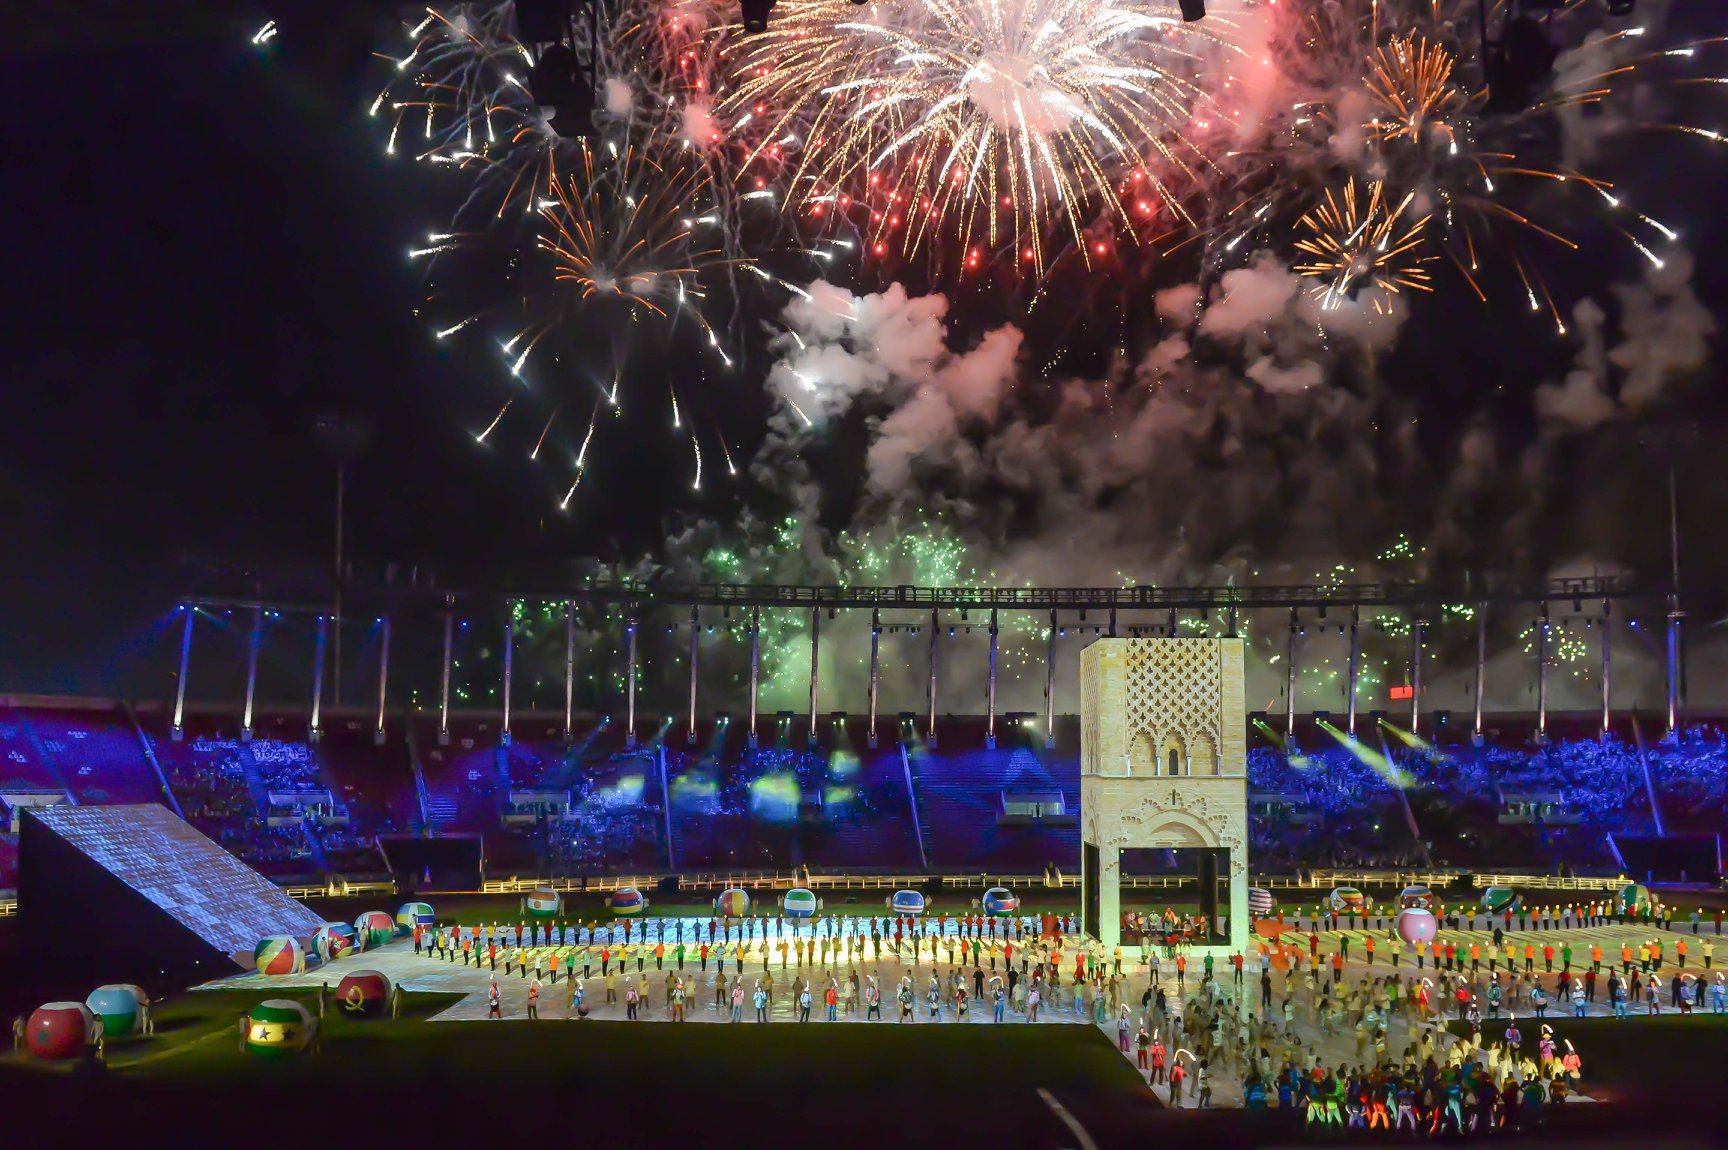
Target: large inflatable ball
(363, 994)
(1001, 902)
(908, 902)
(732, 903)
(1416, 925)
(413, 914)
(117, 1005)
(1260, 902)
(543, 903)
(627, 902)
(60, 1030)
(278, 1026)
(374, 928)
(1416, 898)
(279, 954)
(1349, 900)
(800, 903)
(1500, 899)
(332, 940)
(1634, 898)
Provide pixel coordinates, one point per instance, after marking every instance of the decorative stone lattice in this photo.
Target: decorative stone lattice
(1173, 702)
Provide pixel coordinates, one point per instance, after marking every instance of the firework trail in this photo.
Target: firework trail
(568, 243)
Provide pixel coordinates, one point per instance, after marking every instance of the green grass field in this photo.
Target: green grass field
(657, 1083)
(628, 1080)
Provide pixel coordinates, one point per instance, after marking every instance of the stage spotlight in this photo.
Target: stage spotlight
(541, 21)
(755, 14)
(1193, 10)
(1322, 716)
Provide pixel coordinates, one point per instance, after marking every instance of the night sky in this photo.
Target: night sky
(206, 254)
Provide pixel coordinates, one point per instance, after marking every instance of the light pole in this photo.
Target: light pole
(344, 437)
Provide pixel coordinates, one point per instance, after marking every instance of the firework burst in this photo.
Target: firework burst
(625, 231)
(976, 121)
(627, 234)
(1391, 95)
(1411, 83)
(459, 98)
(1351, 240)
(566, 246)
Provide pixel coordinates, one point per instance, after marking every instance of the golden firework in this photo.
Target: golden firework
(1355, 240)
(1410, 82)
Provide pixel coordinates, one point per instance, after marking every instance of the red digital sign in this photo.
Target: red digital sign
(1403, 692)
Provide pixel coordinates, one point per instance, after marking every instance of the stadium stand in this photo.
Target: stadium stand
(299, 809)
(1012, 808)
(95, 752)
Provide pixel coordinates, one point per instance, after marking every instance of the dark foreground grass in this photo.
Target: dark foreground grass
(636, 1084)
(657, 1084)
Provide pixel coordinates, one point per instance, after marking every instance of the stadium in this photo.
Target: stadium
(1048, 573)
(627, 833)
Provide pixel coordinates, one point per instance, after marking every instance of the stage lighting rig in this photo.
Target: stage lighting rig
(560, 82)
(1521, 59)
(755, 13)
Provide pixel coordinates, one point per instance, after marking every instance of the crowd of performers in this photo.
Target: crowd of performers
(1420, 1059)
(827, 941)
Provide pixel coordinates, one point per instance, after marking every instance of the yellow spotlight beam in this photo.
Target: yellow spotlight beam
(1374, 760)
(1408, 738)
(1271, 734)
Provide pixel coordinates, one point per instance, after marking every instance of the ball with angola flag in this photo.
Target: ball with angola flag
(364, 994)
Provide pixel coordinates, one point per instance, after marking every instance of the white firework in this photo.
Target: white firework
(973, 119)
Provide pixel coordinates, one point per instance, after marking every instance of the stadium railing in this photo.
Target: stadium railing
(338, 889)
(786, 880)
(1549, 881)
